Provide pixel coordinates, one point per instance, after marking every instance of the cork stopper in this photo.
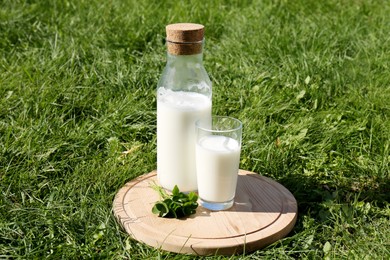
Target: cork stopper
(184, 38)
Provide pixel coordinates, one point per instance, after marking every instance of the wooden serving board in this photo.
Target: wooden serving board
(264, 211)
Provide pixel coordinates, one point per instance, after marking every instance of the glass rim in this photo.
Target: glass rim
(210, 129)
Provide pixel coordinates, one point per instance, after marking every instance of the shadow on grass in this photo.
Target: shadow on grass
(311, 195)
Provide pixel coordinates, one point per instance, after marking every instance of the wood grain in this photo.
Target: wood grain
(263, 212)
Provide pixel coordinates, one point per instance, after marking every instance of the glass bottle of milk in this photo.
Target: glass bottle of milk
(183, 96)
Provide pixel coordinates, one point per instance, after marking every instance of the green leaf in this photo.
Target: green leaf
(161, 209)
(327, 247)
(307, 80)
(175, 191)
(192, 196)
(300, 95)
(176, 205)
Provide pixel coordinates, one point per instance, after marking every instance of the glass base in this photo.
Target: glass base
(215, 206)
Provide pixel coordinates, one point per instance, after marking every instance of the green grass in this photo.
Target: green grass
(309, 79)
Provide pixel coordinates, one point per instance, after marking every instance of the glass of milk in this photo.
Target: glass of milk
(218, 147)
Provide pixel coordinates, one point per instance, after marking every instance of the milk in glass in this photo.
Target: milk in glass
(217, 164)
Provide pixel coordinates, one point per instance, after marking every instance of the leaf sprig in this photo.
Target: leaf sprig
(176, 205)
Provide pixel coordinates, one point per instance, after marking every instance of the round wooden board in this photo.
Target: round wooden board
(264, 211)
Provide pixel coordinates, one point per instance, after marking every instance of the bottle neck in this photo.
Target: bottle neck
(185, 59)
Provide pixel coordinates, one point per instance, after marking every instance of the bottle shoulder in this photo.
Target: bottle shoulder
(190, 77)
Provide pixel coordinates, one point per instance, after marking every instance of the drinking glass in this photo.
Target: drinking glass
(218, 148)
